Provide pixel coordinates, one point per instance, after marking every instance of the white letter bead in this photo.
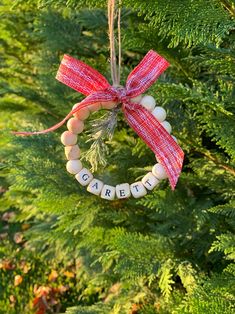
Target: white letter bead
(95, 186)
(123, 190)
(138, 189)
(84, 177)
(82, 114)
(136, 99)
(167, 126)
(108, 192)
(68, 138)
(150, 181)
(72, 152)
(148, 102)
(159, 172)
(75, 126)
(159, 113)
(74, 166)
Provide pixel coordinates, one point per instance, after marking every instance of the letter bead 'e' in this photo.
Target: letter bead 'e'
(123, 190)
(150, 181)
(138, 189)
(84, 177)
(108, 192)
(95, 186)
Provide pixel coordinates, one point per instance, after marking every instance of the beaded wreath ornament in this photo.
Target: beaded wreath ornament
(140, 111)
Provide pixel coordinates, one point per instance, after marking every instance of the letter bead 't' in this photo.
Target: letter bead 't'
(150, 181)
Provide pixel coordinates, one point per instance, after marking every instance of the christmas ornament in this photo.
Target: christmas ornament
(140, 111)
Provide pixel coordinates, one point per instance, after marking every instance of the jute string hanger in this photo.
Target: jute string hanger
(114, 11)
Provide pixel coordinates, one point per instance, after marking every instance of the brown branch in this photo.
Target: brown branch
(218, 163)
(229, 7)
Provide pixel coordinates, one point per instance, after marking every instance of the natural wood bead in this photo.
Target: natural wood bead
(108, 192)
(108, 104)
(150, 181)
(159, 171)
(123, 190)
(75, 126)
(82, 114)
(74, 166)
(148, 102)
(68, 138)
(136, 99)
(167, 126)
(95, 186)
(94, 107)
(138, 189)
(84, 177)
(159, 113)
(72, 152)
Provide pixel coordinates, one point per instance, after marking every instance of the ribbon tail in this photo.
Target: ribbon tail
(53, 128)
(97, 97)
(150, 130)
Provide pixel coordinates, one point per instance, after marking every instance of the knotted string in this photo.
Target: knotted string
(115, 70)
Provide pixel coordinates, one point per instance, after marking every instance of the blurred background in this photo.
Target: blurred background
(63, 250)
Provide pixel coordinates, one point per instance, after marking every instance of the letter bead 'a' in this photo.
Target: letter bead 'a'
(95, 186)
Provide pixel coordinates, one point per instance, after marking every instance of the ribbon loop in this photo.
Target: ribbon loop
(145, 74)
(80, 76)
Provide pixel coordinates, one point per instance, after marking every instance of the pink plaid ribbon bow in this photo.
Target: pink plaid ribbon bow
(86, 80)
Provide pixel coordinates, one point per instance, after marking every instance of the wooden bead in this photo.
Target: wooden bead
(95, 186)
(150, 181)
(108, 192)
(138, 189)
(159, 172)
(94, 107)
(108, 104)
(123, 190)
(68, 138)
(82, 114)
(159, 113)
(136, 99)
(72, 152)
(167, 126)
(74, 166)
(148, 102)
(84, 177)
(75, 126)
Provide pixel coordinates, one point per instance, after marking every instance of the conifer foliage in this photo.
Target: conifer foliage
(169, 252)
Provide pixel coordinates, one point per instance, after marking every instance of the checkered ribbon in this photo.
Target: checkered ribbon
(86, 80)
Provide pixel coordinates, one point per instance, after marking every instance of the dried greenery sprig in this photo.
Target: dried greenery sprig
(100, 130)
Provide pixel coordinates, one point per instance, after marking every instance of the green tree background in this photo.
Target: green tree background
(169, 252)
